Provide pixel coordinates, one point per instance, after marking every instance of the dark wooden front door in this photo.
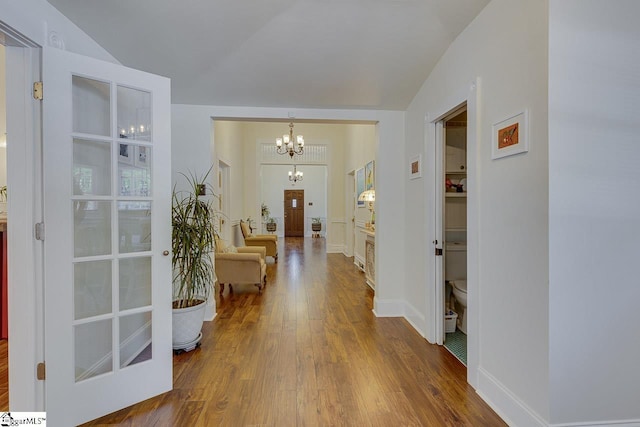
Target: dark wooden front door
(293, 213)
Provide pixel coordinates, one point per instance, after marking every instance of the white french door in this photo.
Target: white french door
(107, 210)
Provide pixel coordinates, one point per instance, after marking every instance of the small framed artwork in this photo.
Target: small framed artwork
(415, 167)
(360, 186)
(509, 136)
(142, 156)
(126, 153)
(369, 175)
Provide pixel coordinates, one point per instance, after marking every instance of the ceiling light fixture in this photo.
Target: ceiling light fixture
(286, 146)
(296, 175)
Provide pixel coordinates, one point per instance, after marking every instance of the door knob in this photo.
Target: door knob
(165, 253)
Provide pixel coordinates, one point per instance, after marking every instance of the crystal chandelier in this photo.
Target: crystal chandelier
(296, 175)
(286, 146)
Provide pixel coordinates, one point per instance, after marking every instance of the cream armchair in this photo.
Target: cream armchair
(268, 241)
(241, 266)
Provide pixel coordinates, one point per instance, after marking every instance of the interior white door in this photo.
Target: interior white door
(439, 244)
(107, 202)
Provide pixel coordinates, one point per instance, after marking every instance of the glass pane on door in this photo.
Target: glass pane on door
(135, 282)
(91, 106)
(93, 349)
(134, 220)
(91, 168)
(135, 338)
(92, 227)
(134, 170)
(134, 114)
(91, 288)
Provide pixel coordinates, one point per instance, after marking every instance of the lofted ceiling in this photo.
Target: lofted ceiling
(372, 54)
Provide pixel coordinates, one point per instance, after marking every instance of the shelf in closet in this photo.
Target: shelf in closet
(456, 246)
(460, 172)
(455, 194)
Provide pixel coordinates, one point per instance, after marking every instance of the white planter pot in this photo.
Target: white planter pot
(187, 323)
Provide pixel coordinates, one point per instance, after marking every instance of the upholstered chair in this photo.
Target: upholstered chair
(244, 265)
(268, 241)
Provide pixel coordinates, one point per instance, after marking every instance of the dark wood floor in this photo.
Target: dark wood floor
(309, 352)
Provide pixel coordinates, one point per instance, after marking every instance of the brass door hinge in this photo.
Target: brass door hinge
(40, 371)
(37, 91)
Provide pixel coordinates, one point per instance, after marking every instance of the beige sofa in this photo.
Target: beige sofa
(268, 241)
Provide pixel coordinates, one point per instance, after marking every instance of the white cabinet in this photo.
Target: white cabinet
(370, 257)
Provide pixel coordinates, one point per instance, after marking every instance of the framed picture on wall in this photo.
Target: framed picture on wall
(369, 176)
(125, 153)
(415, 167)
(509, 136)
(142, 156)
(360, 186)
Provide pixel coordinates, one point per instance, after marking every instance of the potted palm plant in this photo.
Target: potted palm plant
(193, 240)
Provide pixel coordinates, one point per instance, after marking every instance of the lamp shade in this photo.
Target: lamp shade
(367, 196)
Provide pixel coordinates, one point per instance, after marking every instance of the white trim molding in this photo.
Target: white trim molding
(506, 404)
(388, 307)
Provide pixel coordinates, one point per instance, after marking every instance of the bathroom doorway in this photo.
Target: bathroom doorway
(454, 224)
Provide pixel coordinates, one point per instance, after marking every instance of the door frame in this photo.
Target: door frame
(224, 190)
(25, 254)
(350, 212)
(469, 94)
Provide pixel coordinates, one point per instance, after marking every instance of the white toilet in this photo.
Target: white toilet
(460, 292)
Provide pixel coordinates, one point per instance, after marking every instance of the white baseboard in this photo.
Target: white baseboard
(507, 405)
(359, 261)
(388, 307)
(415, 319)
(335, 248)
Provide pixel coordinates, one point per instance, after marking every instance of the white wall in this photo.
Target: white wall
(275, 180)
(44, 25)
(506, 48)
(229, 147)
(360, 150)
(594, 211)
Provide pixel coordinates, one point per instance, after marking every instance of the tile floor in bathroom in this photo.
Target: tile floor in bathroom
(456, 343)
